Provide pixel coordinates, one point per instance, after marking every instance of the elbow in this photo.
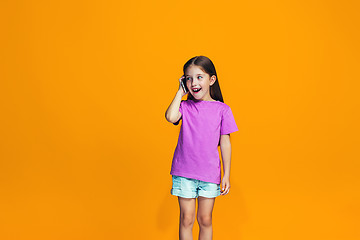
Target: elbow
(168, 118)
(225, 141)
(172, 119)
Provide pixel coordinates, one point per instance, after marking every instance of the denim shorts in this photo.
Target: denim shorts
(192, 188)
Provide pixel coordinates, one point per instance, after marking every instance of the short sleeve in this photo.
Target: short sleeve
(228, 124)
(180, 110)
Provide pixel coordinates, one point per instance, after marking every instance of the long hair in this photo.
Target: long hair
(206, 65)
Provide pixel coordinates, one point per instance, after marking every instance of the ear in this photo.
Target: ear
(212, 79)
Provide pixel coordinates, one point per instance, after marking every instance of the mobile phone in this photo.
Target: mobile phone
(183, 85)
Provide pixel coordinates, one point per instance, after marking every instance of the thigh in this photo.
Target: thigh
(187, 206)
(206, 206)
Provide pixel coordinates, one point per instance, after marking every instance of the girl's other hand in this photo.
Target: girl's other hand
(180, 86)
(225, 186)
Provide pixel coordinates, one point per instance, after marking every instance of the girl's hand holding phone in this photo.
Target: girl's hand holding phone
(182, 86)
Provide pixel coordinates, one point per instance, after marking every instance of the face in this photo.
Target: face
(198, 79)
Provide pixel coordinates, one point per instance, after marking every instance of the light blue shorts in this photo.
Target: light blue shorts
(192, 188)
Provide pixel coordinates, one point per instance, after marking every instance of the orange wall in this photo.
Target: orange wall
(85, 147)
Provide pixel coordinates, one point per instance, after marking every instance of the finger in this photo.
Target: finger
(226, 186)
(221, 191)
(226, 191)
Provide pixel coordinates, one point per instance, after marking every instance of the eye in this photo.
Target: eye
(200, 76)
(187, 78)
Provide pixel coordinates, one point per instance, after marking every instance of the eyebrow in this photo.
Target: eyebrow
(196, 74)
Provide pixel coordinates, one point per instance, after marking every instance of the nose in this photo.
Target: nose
(194, 82)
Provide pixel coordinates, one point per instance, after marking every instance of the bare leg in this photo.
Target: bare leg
(187, 217)
(204, 217)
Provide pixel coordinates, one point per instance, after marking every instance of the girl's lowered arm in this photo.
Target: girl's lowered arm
(225, 146)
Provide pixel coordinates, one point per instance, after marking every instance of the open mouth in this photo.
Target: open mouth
(195, 90)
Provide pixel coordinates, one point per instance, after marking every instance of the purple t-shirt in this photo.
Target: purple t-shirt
(196, 154)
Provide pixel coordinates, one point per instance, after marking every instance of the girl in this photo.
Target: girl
(206, 124)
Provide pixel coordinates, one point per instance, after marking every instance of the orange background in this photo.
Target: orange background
(85, 147)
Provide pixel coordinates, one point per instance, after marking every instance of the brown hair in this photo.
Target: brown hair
(206, 65)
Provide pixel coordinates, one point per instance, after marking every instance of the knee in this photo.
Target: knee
(187, 220)
(205, 220)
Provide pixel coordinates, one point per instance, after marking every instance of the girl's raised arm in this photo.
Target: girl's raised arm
(172, 113)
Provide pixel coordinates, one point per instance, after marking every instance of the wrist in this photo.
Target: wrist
(179, 93)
